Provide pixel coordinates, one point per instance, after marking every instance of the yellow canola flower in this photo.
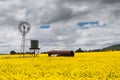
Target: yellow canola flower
(83, 66)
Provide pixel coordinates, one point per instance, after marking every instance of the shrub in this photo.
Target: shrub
(12, 52)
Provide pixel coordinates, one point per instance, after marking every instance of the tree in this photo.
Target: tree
(12, 52)
(79, 50)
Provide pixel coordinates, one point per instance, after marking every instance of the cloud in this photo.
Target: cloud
(62, 16)
(110, 1)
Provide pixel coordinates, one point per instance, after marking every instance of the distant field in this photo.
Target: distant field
(84, 66)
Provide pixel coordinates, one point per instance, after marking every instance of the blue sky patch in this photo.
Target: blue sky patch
(44, 26)
(87, 25)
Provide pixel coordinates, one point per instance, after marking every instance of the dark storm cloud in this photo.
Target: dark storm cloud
(9, 13)
(11, 21)
(2, 0)
(8, 21)
(94, 6)
(93, 1)
(64, 10)
(52, 16)
(116, 14)
(110, 1)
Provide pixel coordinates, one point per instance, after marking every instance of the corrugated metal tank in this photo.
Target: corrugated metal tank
(61, 53)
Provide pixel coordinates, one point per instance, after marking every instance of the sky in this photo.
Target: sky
(56, 24)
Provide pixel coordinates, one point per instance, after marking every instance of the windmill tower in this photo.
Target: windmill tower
(24, 27)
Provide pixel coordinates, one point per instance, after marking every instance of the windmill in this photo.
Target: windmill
(24, 27)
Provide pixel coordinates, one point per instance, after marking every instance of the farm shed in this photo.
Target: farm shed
(61, 53)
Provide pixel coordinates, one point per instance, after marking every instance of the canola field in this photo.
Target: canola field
(83, 66)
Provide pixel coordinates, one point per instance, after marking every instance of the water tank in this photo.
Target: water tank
(61, 53)
(34, 44)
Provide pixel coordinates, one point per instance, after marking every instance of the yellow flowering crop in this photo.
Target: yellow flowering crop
(83, 66)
